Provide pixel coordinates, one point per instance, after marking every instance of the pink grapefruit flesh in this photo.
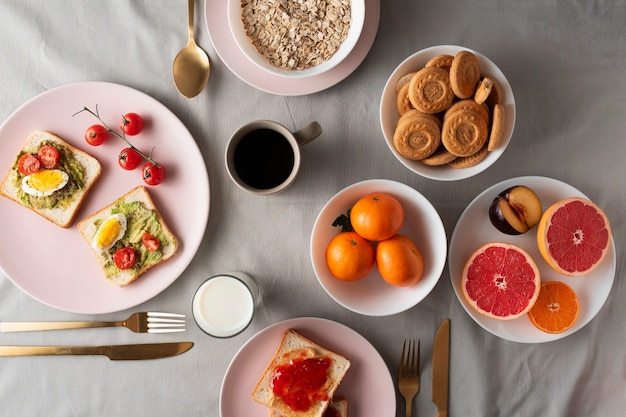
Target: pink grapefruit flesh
(501, 281)
(574, 236)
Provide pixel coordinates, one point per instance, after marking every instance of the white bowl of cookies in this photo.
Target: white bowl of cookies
(296, 39)
(447, 112)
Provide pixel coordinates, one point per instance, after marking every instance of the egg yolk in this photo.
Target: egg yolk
(108, 232)
(47, 180)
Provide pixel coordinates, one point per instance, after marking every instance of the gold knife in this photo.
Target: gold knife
(441, 361)
(113, 352)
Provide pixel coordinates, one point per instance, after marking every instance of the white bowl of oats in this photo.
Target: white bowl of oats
(296, 38)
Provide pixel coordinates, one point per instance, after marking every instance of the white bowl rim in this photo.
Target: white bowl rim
(250, 52)
(372, 296)
(389, 114)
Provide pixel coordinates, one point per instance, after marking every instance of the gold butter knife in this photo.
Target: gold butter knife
(441, 362)
(113, 352)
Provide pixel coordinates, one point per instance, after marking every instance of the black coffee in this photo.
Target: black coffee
(264, 159)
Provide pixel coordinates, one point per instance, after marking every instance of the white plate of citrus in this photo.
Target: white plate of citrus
(474, 229)
(371, 295)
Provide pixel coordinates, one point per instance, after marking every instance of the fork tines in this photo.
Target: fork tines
(165, 322)
(410, 364)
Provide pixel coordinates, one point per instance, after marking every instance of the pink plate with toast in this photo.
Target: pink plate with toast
(57, 266)
(367, 386)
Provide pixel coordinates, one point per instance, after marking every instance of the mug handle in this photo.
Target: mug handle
(308, 133)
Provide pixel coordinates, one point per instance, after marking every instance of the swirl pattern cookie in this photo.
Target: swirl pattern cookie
(464, 132)
(416, 137)
(430, 90)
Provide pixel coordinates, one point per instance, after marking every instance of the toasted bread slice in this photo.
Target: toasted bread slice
(142, 216)
(337, 408)
(295, 345)
(62, 206)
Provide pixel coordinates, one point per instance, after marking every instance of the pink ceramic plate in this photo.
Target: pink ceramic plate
(216, 15)
(367, 386)
(56, 266)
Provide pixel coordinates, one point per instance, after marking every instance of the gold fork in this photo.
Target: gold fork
(409, 373)
(144, 322)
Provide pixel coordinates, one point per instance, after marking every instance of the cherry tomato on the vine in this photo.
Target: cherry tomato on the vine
(125, 258)
(28, 164)
(131, 124)
(48, 156)
(129, 158)
(95, 135)
(153, 174)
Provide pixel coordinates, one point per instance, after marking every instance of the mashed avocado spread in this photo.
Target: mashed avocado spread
(61, 198)
(139, 220)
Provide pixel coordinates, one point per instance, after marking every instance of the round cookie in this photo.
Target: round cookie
(403, 104)
(416, 137)
(441, 61)
(497, 127)
(464, 132)
(469, 104)
(430, 90)
(469, 161)
(441, 156)
(464, 74)
(405, 79)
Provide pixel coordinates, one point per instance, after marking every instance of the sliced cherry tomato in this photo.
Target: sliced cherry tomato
(96, 135)
(28, 164)
(129, 158)
(125, 258)
(150, 242)
(131, 124)
(153, 174)
(48, 156)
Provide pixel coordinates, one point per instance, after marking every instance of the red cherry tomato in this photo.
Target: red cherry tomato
(48, 156)
(129, 158)
(28, 164)
(150, 242)
(153, 174)
(96, 135)
(131, 124)
(125, 258)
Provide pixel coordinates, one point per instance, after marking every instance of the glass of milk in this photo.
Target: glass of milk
(223, 306)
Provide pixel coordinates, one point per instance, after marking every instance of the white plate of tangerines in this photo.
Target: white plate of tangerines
(378, 247)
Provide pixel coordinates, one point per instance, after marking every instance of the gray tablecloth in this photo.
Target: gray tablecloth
(566, 62)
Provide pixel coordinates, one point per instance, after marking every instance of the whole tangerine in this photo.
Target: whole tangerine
(349, 257)
(377, 216)
(399, 261)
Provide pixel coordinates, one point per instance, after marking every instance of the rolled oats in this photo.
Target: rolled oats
(296, 34)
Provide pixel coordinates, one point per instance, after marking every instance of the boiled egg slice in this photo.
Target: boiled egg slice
(45, 182)
(110, 231)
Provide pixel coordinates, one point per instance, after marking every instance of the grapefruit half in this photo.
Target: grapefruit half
(501, 281)
(574, 236)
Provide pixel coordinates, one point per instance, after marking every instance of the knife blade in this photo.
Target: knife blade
(441, 361)
(113, 352)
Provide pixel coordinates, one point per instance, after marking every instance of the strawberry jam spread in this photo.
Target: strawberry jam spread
(301, 382)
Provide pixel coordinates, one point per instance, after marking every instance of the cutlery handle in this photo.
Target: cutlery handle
(25, 326)
(49, 350)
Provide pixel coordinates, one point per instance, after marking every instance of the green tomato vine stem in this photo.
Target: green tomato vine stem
(96, 114)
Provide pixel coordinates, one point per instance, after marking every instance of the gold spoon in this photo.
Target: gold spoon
(191, 65)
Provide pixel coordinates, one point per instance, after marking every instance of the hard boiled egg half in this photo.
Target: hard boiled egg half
(44, 183)
(110, 231)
